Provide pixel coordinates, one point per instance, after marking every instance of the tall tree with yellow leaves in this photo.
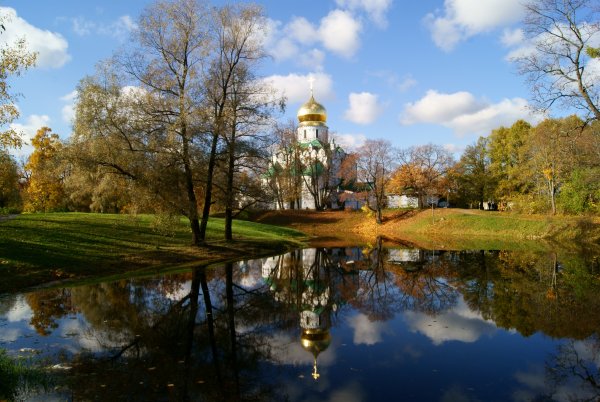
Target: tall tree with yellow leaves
(45, 190)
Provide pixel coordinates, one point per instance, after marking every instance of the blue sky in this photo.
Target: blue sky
(410, 72)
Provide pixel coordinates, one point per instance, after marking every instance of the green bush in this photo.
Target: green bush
(581, 193)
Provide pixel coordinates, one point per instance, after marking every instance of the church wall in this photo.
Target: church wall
(309, 133)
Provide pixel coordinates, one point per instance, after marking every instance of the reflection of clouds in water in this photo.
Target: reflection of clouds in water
(251, 281)
(20, 311)
(458, 324)
(572, 358)
(182, 291)
(534, 381)
(250, 273)
(352, 393)
(588, 350)
(9, 334)
(457, 394)
(82, 335)
(366, 331)
(287, 350)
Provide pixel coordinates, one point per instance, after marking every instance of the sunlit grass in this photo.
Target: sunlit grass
(42, 247)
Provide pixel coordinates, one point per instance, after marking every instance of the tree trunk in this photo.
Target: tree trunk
(229, 191)
(209, 179)
(210, 322)
(231, 325)
(552, 190)
(191, 194)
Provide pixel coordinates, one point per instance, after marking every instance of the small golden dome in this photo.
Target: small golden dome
(315, 341)
(312, 112)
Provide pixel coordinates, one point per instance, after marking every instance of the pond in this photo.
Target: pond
(340, 324)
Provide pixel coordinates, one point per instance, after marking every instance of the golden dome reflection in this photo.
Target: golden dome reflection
(315, 341)
(312, 113)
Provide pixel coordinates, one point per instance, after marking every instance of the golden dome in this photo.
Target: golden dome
(312, 113)
(315, 341)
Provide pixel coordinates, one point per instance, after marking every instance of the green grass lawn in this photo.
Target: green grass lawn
(37, 248)
(501, 225)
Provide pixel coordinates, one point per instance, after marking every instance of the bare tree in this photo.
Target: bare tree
(231, 90)
(422, 171)
(375, 165)
(171, 44)
(557, 66)
(249, 102)
(284, 183)
(316, 161)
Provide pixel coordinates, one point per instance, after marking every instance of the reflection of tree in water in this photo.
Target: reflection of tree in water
(425, 280)
(49, 306)
(206, 335)
(171, 348)
(532, 291)
(572, 374)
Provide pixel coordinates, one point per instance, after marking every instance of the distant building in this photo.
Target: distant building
(402, 201)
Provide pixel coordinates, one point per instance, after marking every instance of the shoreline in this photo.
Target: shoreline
(407, 229)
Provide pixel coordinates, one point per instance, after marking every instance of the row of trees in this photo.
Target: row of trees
(551, 167)
(554, 166)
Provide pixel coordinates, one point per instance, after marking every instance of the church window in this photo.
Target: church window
(317, 133)
(304, 134)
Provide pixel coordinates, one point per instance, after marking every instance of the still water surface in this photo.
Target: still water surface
(343, 324)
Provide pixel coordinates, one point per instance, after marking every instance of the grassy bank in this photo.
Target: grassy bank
(42, 248)
(460, 223)
(447, 229)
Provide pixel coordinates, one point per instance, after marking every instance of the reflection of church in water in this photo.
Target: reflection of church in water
(309, 281)
(317, 282)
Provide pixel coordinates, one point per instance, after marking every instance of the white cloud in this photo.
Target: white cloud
(117, 29)
(28, 129)
(393, 80)
(462, 19)
(453, 148)
(375, 9)
(459, 324)
(407, 83)
(349, 141)
(439, 108)
(364, 108)
(50, 46)
(312, 59)
(465, 114)
(302, 30)
(296, 87)
(68, 110)
(366, 332)
(512, 37)
(339, 32)
(284, 49)
(82, 27)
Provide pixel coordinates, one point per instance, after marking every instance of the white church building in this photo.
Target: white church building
(311, 166)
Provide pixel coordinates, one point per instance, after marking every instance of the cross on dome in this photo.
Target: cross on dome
(311, 81)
